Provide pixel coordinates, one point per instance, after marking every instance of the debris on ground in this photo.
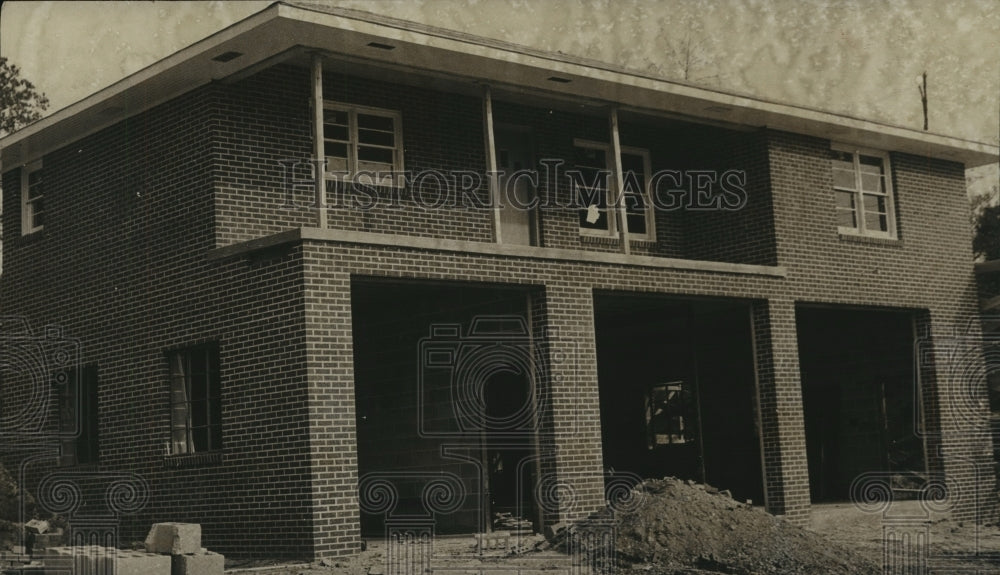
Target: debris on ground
(508, 522)
(672, 526)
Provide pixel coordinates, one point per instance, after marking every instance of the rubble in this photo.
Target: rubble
(677, 526)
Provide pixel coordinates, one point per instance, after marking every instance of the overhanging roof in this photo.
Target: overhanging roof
(283, 29)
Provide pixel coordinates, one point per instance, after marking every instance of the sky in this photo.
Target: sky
(854, 57)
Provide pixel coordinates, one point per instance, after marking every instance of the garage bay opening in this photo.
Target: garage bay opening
(678, 390)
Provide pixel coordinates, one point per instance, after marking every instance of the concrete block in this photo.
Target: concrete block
(140, 563)
(206, 563)
(46, 540)
(94, 560)
(174, 538)
(37, 526)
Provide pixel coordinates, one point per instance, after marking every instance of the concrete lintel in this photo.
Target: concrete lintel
(491, 249)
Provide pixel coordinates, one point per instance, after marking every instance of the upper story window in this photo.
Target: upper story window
(597, 217)
(863, 191)
(32, 192)
(195, 400)
(366, 143)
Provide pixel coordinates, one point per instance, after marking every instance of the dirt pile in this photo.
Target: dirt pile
(674, 526)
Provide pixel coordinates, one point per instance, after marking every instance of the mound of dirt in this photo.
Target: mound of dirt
(675, 526)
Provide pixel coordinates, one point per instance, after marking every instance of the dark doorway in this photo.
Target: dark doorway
(858, 395)
(517, 194)
(678, 390)
(444, 392)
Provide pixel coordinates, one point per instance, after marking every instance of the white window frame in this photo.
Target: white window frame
(612, 211)
(352, 112)
(859, 193)
(27, 207)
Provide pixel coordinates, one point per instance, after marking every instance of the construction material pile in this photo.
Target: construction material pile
(673, 526)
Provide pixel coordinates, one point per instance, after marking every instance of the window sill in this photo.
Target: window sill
(192, 459)
(612, 240)
(596, 239)
(869, 240)
(397, 183)
(34, 236)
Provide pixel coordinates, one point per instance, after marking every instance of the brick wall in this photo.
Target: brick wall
(121, 266)
(134, 209)
(927, 269)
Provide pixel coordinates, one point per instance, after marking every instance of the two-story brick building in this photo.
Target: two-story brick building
(465, 322)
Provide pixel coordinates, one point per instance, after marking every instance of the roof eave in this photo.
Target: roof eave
(280, 27)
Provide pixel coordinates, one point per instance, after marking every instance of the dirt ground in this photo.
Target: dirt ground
(670, 527)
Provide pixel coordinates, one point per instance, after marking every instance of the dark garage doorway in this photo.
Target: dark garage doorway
(443, 391)
(678, 390)
(859, 398)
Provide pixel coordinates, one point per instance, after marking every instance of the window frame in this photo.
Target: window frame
(352, 111)
(79, 416)
(859, 193)
(28, 211)
(612, 231)
(214, 443)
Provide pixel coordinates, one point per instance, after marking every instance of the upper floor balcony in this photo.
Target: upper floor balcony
(327, 123)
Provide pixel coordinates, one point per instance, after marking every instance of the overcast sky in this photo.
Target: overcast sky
(853, 57)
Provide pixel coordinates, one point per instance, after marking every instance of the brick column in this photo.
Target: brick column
(571, 482)
(956, 416)
(333, 437)
(786, 472)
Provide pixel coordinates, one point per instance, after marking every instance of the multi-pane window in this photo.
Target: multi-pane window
(195, 400)
(78, 412)
(32, 201)
(863, 193)
(359, 140)
(635, 168)
(597, 209)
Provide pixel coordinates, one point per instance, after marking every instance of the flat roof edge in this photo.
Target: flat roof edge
(748, 110)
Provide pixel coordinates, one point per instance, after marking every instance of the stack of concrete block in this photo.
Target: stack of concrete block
(39, 536)
(182, 542)
(96, 560)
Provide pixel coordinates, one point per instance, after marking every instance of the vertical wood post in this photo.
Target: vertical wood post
(319, 155)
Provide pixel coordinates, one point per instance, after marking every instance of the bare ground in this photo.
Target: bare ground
(676, 528)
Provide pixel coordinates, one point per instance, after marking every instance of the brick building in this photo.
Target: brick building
(783, 305)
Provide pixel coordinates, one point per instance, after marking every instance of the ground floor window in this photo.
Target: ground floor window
(195, 400)
(78, 413)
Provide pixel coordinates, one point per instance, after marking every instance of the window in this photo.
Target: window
(78, 416)
(195, 400)
(592, 160)
(358, 140)
(32, 207)
(863, 193)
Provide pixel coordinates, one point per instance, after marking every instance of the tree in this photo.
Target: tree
(20, 103)
(986, 225)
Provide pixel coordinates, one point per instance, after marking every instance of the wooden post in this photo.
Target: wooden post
(491, 160)
(617, 191)
(318, 151)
